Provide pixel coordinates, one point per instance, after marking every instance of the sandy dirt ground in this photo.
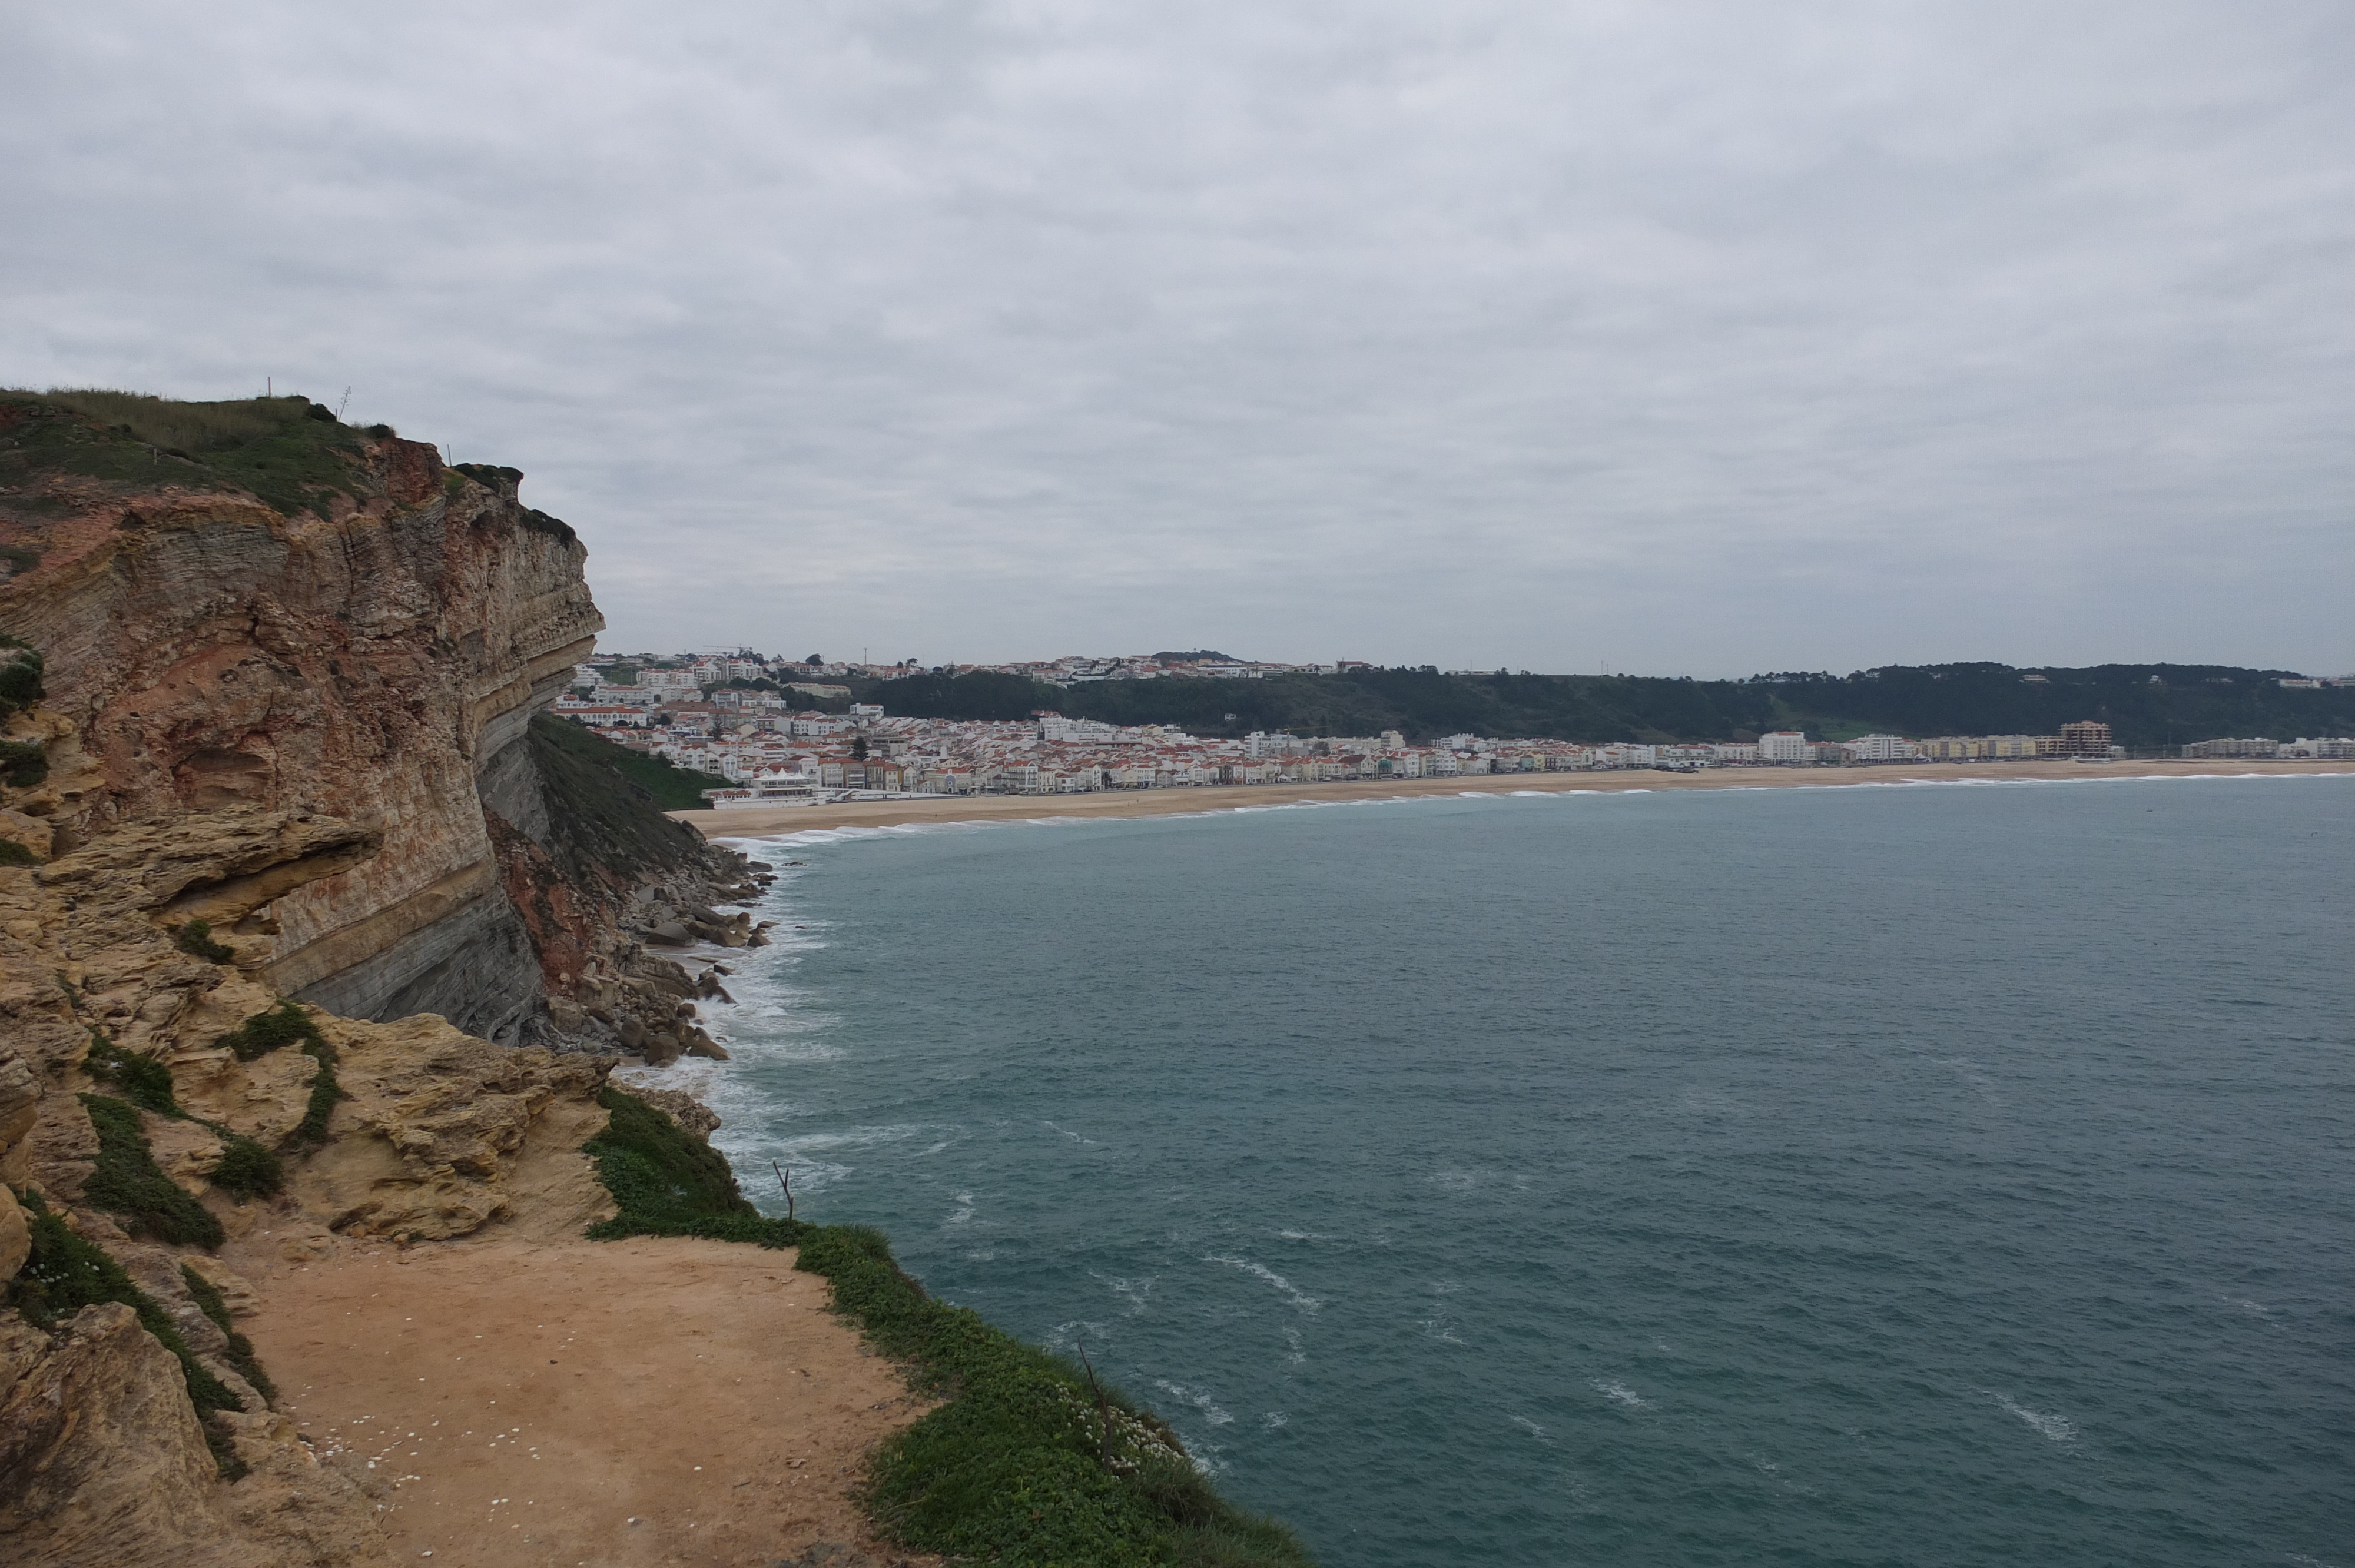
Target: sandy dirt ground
(619, 1405)
(752, 821)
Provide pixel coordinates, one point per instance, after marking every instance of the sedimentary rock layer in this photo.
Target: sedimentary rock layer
(208, 654)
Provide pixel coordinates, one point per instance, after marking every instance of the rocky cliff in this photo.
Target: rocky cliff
(303, 930)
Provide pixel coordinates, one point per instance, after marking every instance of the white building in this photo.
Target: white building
(1879, 748)
(1785, 745)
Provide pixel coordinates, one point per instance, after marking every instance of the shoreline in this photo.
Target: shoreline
(759, 822)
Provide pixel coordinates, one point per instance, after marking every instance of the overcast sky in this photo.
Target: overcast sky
(1699, 338)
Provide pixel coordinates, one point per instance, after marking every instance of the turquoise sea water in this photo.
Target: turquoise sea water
(1882, 1175)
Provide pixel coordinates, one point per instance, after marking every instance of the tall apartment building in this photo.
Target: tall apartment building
(2085, 738)
(1785, 745)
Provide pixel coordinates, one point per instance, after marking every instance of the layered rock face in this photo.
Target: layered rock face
(285, 751)
(352, 677)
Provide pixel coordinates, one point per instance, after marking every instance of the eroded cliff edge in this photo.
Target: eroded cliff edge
(297, 937)
(332, 692)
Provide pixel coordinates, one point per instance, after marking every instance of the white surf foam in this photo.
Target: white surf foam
(1199, 1398)
(1297, 1296)
(1621, 1394)
(2054, 1427)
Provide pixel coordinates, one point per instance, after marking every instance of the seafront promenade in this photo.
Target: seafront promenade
(754, 821)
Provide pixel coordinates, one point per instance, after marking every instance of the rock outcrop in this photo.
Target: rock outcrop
(301, 941)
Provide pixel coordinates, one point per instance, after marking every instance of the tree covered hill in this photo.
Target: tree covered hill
(2146, 705)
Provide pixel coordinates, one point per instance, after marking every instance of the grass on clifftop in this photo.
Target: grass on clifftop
(1025, 1465)
(288, 453)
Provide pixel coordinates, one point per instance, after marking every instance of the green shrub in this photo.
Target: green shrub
(20, 687)
(195, 940)
(129, 1182)
(247, 1168)
(65, 1274)
(312, 1130)
(136, 1076)
(13, 853)
(286, 1024)
(23, 763)
(207, 1298)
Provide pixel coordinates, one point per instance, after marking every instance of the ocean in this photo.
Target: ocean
(1906, 1175)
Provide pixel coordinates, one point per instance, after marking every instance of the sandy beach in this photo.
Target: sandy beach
(514, 1404)
(755, 822)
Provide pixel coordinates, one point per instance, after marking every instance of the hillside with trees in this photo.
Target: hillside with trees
(2146, 705)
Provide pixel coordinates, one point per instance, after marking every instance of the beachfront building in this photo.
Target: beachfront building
(2085, 738)
(2226, 746)
(1785, 745)
(1879, 748)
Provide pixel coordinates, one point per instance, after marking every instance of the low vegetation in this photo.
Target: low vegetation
(667, 1183)
(563, 748)
(1028, 1463)
(21, 669)
(133, 1075)
(129, 1182)
(65, 1274)
(195, 940)
(246, 1168)
(288, 453)
(207, 1298)
(289, 1024)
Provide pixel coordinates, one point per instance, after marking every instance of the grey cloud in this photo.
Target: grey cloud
(1712, 337)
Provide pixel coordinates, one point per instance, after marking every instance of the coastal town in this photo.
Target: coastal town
(777, 731)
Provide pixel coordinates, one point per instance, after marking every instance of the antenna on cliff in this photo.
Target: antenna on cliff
(344, 405)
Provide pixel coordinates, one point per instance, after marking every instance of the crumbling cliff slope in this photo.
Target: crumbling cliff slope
(298, 941)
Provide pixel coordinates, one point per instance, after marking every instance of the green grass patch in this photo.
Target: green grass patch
(288, 1025)
(65, 1274)
(20, 688)
(132, 1074)
(668, 1183)
(13, 853)
(247, 1168)
(1027, 1465)
(23, 763)
(288, 453)
(207, 1298)
(129, 1182)
(195, 940)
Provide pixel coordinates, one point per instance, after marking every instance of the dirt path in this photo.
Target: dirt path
(621, 1404)
(751, 822)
